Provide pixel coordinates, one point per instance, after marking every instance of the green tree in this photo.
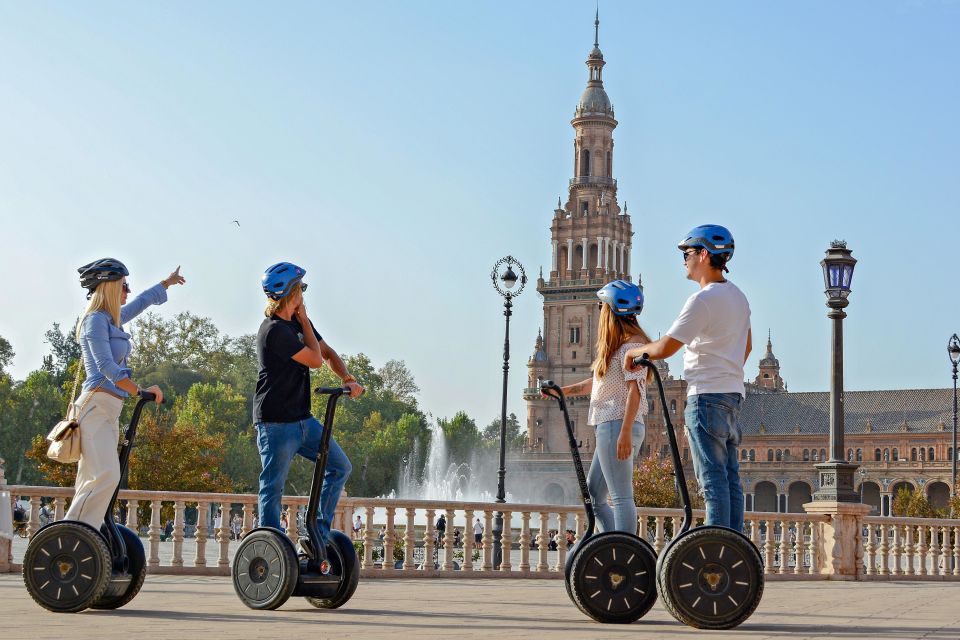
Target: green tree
(36, 404)
(398, 380)
(64, 350)
(6, 354)
(463, 436)
(516, 434)
(654, 485)
(912, 504)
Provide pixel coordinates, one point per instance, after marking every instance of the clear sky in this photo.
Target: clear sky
(398, 149)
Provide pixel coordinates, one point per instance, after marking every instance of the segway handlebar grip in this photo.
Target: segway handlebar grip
(642, 361)
(149, 396)
(332, 391)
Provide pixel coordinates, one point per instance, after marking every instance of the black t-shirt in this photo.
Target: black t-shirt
(283, 384)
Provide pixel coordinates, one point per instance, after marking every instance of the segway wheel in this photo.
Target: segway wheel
(711, 578)
(67, 567)
(344, 562)
(613, 578)
(265, 569)
(137, 564)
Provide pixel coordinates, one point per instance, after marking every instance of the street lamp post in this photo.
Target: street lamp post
(504, 280)
(836, 475)
(953, 350)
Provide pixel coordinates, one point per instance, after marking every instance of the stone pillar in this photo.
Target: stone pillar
(599, 253)
(553, 263)
(570, 254)
(840, 538)
(584, 242)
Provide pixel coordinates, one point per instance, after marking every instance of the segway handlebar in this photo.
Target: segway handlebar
(332, 391)
(149, 396)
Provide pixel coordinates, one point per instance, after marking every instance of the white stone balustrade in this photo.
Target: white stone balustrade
(791, 544)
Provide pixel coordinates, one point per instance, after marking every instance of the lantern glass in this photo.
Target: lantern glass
(509, 278)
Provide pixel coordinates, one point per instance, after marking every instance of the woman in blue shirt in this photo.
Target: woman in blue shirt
(105, 346)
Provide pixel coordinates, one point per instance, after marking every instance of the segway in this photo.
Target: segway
(69, 566)
(267, 569)
(608, 575)
(708, 577)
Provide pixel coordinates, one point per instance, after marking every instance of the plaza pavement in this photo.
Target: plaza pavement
(206, 607)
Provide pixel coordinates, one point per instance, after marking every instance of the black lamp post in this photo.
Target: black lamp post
(504, 280)
(836, 475)
(953, 350)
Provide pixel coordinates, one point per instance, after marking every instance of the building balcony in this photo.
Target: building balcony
(590, 181)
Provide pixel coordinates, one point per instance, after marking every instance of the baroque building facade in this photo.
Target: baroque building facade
(898, 437)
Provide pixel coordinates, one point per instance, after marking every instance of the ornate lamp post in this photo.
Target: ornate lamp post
(836, 475)
(504, 280)
(953, 350)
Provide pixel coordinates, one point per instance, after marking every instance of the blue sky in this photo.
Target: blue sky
(397, 150)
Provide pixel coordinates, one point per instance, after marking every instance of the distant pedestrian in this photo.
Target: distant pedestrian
(456, 538)
(383, 532)
(357, 528)
(168, 530)
(235, 526)
(477, 534)
(441, 529)
(284, 522)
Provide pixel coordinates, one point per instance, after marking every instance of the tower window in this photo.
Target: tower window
(766, 375)
(584, 208)
(585, 162)
(574, 335)
(609, 166)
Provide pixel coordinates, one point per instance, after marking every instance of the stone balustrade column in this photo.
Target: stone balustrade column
(409, 542)
(561, 540)
(871, 549)
(945, 550)
(246, 520)
(658, 539)
(154, 535)
(448, 541)
(569, 254)
(897, 550)
(468, 543)
(769, 546)
(368, 539)
(840, 537)
(813, 547)
(599, 253)
(543, 540)
(223, 535)
(956, 551)
(389, 539)
(179, 506)
(200, 535)
(922, 549)
(585, 259)
(293, 523)
(524, 541)
(58, 509)
(910, 550)
(132, 517)
(934, 551)
(506, 542)
(487, 540)
(428, 545)
(785, 547)
(33, 525)
(884, 550)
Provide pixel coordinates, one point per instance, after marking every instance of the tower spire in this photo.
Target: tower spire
(596, 27)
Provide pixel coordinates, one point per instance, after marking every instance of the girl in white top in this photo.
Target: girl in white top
(618, 401)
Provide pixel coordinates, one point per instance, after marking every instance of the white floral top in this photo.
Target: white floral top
(609, 396)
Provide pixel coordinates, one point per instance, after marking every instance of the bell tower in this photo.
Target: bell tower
(769, 376)
(590, 237)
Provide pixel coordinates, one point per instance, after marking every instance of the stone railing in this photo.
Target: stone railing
(794, 546)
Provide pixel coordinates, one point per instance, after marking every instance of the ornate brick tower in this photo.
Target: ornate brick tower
(769, 376)
(591, 239)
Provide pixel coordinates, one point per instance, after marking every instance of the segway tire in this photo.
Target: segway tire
(711, 578)
(265, 569)
(613, 578)
(137, 564)
(67, 567)
(344, 562)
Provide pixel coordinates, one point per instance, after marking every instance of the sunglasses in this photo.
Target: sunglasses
(126, 288)
(303, 287)
(687, 254)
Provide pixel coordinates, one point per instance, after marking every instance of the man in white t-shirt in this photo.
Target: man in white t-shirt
(714, 324)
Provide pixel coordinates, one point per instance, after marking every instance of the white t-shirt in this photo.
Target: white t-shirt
(477, 528)
(713, 324)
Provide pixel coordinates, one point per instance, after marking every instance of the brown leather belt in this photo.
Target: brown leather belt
(109, 393)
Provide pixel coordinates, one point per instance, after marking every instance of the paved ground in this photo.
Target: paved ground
(185, 607)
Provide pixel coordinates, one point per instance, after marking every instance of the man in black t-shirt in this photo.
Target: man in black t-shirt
(281, 405)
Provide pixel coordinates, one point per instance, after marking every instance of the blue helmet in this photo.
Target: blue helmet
(712, 237)
(279, 279)
(102, 270)
(624, 298)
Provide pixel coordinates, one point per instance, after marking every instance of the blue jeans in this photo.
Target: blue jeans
(614, 478)
(278, 442)
(713, 431)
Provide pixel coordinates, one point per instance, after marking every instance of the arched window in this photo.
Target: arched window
(786, 454)
(823, 454)
(609, 165)
(779, 455)
(886, 455)
(743, 454)
(923, 454)
(585, 162)
(913, 454)
(816, 455)
(673, 406)
(806, 455)
(896, 454)
(769, 455)
(753, 455)
(859, 455)
(930, 456)
(876, 455)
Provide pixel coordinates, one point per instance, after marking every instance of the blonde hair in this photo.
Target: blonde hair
(613, 332)
(106, 297)
(276, 306)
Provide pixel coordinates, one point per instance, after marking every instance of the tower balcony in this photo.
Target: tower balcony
(593, 181)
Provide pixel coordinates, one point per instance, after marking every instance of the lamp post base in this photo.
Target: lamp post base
(836, 482)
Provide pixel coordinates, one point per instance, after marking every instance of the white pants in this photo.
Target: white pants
(98, 472)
